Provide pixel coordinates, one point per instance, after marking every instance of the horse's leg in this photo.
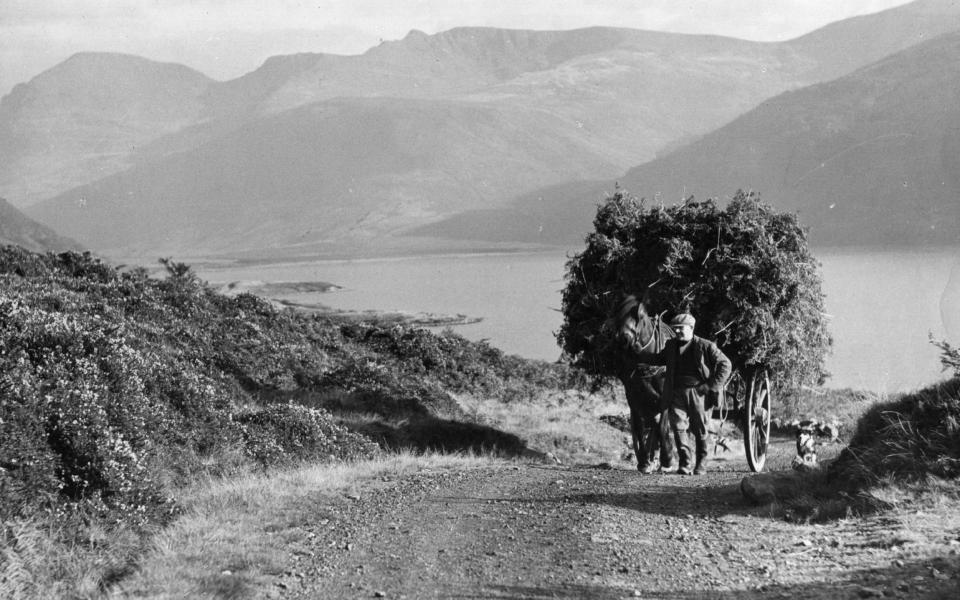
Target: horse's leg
(636, 432)
(650, 409)
(635, 402)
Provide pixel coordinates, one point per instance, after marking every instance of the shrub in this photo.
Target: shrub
(906, 439)
(114, 383)
(745, 271)
(289, 433)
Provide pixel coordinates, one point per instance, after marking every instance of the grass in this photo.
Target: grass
(237, 533)
(904, 452)
(565, 425)
(843, 407)
(55, 558)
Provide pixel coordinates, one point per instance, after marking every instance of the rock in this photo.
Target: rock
(868, 592)
(757, 491)
(379, 594)
(805, 463)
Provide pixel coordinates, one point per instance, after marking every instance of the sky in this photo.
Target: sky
(227, 38)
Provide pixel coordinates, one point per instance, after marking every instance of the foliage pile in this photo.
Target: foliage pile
(744, 271)
(907, 439)
(115, 385)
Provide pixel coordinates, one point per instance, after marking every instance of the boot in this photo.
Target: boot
(684, 452)
(701, 467)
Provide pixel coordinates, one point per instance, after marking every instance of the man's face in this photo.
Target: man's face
(684, 332)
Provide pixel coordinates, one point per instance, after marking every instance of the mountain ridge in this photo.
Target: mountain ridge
(614, 97)
(870, 158)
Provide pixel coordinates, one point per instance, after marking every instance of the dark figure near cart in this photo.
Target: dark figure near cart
(695, 369)
(643, 384)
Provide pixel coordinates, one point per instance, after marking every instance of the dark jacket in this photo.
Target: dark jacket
(715, 367)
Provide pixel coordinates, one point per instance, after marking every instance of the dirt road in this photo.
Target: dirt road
(538, 531)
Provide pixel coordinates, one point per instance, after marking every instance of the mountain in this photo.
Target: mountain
(842, 47)
(18, 229)
(433, 126)
(96, 114)
(350, 169)
(80, 120)
(870, 158)
(367, 166)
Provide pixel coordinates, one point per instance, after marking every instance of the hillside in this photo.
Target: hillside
(20, 230)
(871, 158)
(82, 119)
(157, 437)
(119, 391)
(350, 169)
(840, 48)
(515, 111)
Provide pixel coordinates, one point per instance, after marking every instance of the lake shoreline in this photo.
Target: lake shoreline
(883, 302)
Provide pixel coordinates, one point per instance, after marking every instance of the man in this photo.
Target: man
(695, 368)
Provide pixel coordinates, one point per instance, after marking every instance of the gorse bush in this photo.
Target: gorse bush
(114, 384)
(744, 271)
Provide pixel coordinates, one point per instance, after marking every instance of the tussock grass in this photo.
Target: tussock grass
(566, 425)
(908, 439)
(904, 452)
(235, 533)
(56, 558)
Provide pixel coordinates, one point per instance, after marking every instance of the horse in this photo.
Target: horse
(643, 383)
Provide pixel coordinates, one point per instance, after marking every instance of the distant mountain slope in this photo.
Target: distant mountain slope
(80, 120)
(841, 47)
(352, 169)
(871, 158)
(515, 111)
(633, 92)
(18, 229)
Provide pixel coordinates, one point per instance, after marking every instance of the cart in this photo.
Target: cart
(746, 402)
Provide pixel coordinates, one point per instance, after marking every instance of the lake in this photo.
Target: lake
(883, 304)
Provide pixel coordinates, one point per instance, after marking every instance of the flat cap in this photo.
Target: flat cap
(683, 319)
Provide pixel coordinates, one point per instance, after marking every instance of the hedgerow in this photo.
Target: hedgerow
(743, 270)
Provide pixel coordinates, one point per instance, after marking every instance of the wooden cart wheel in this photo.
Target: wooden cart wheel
(757, 421)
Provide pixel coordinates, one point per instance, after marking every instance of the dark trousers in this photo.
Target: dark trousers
(688, 419)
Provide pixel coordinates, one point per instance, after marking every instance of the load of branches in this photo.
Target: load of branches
(744, 271)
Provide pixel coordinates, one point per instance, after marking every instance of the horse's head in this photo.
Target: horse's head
(633, 321)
